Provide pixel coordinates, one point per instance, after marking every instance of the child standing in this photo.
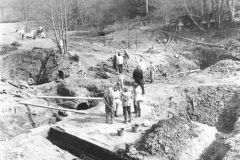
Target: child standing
(127, 103)
(137, 94)
(117, 97)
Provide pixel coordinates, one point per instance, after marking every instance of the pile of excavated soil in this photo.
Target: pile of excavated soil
(225, 67)
(7, 48)
(213, 105)
(29, 147)
(167, 138)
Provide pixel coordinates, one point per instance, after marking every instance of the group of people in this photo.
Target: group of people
(139, 76)
(121, 95)
(115, 97)
(32, 33)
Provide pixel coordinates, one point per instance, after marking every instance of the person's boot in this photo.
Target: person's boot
(116, 114)
(125, 119)
(130, 119)
(136, 114)
(139, 114)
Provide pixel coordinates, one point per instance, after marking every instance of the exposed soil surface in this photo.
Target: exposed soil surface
(193, 84)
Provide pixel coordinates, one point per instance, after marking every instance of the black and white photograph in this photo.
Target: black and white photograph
(119, 79)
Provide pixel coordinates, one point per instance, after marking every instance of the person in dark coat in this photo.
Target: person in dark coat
(138, 77)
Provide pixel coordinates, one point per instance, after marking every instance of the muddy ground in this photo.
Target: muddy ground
(207, 96)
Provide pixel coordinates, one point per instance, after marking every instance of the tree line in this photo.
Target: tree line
(63, 15)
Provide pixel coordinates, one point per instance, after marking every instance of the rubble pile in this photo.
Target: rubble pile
(7, 48)
(226, 67)
(209, 105)
(174, 72)
(167, 138)
(152, 51)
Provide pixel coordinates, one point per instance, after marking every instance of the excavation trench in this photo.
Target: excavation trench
(39, 64)
(214, 106)
(210, 105)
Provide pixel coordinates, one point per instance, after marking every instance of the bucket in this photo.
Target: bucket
(129, 147)
(135, 128)
(120, 131)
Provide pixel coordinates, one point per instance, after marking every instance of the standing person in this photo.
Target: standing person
(40, 28)
(126, 58)
(120, 62)
(152, 71)
(115, 61)
(138, 77)
(142, 65)
(117, 99)
(21, 33)
(127, 103)
(136, 99)
(120, 81)
(109, 105)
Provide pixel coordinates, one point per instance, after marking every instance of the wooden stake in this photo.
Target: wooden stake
(48, 107)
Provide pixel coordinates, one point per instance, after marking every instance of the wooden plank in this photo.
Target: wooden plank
(62, 97)
(49, 107)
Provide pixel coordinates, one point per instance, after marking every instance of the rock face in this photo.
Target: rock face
(29, 147)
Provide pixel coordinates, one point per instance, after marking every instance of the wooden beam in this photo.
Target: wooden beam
(49, 107)
(62, 97)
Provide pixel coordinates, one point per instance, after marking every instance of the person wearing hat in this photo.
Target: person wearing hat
(136, 99)
(127, 103)
(108, 99)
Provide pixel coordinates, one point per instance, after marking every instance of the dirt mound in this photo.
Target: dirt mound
(167, 137)
(225, 67)
(29, 147)
(8, 48)
(210, 105)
